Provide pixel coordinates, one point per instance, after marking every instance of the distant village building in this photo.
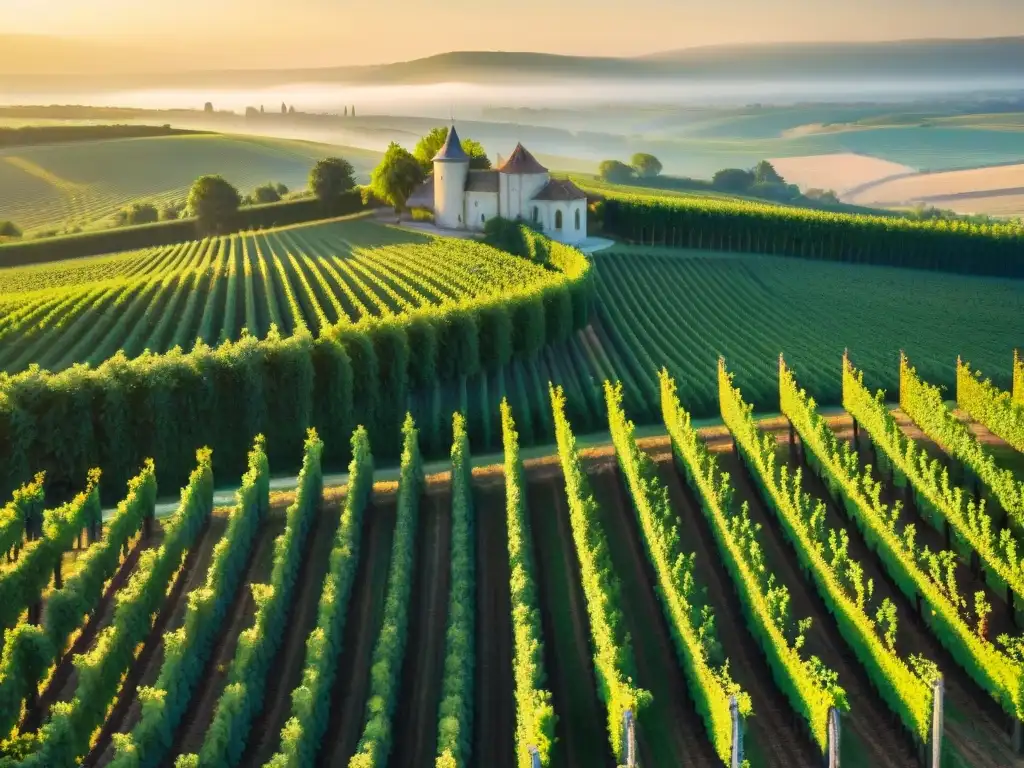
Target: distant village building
(519, 188)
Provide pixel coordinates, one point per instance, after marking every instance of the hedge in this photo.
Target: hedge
(162, 406)
(725, 225)
(311, 700)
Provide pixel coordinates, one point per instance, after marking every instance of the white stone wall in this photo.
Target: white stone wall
(517, 190)
(548, 214)
(481, 207)
(450, 193)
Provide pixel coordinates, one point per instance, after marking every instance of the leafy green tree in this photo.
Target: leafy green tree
(172, 211)
(396, 177)
(208, 107)
(616, 172)
(765, 173)
(266, 193)
(431, 144)
(646, 166)
(282, 189)
(733, 179)
(214, 201)
(9, 229)
(331, 178)
(137, 213)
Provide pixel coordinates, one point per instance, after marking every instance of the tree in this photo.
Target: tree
(616, 172)
(215, 203)
(172, 211)
(261, 109)
(765, 173)
(265, 193)
(646, 166)
(430, 144)
(291, 110)
(353, 110)
(284, 109)
(733, 179)
(208, 107)
(331, 178)
(137, 213)
(346, 111)
(9, 229)
(282, 190)
(396, 176)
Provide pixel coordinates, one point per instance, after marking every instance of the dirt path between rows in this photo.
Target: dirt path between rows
(870, 736)
(669, 731)
(348, 701)
(494, 715)
(581, 730)
(286, 671)
(146, 668)
(61, 685)
(775, 735)
(415, 742)
(191, 731)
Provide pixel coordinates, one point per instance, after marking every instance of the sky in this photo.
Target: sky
(338, 32)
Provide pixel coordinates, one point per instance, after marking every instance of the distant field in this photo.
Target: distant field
(839, 172)
(60, 186)
(997, 190)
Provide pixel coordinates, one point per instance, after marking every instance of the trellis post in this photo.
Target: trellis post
(737, 734)
(628, 739)
(938, 706)
(534, 757)
(834, 733)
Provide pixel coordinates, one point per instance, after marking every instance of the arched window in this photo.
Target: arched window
(558, 219)
(577, 218)
(536, 213)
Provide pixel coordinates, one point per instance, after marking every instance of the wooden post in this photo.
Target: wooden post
(58, 577)
(737, 734)
(534, 757)
(1018, 737)
(938, 694)
(834, 733)
(628, 739)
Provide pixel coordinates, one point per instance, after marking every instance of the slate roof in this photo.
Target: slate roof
(482, 181)
(559, 190)
(452, 150)
(521, 161)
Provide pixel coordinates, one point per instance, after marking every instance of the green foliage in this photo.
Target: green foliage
(22, 517)
(994, 408)
(919, 571)
(366, 325)
(613, 652)
(266, 193)
(765, 173)
(616, 171)
(187, 648)
(733, 179)
(137, 213)
(242, 699)
(23, 581)
(430, 144)
(331, 178)
(376, 741)
(301, 735)
(691, 624)
(810, 688)
(823, 550)
(28, 654)
(396, 177)
(645, 166)
(739, 225)
(65, 738)
(9, 229)
(214, 202)
(1018, 377)
(455, 714)
(535, 715)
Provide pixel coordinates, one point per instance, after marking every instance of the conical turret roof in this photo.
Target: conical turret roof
(452, 150)
(521, 161)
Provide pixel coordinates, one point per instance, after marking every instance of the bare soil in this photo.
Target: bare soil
(146, 669)
(192, 729)
(669, 731)
(494, 714)
(581, 731)
(415, 742)
(286, 674)
(366, 609)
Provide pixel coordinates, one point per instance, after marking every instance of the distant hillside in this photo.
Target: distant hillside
(936, 58)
